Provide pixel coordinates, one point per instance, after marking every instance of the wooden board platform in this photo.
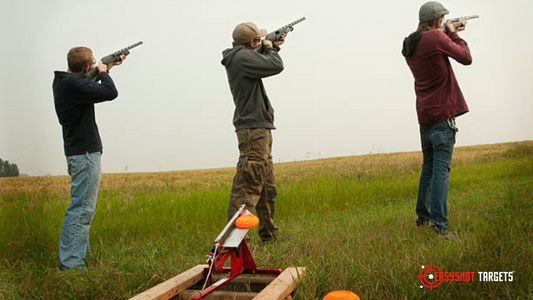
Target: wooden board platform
(282, 286)
(185, 295)
(173, 286)
(279, 287)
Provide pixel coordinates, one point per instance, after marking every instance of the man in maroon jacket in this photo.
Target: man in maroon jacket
(438, 101)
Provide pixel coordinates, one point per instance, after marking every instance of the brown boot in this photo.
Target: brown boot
(422, 223)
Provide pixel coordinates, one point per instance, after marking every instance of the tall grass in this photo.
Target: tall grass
(349, 220)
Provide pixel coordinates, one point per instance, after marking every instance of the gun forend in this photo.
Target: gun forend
(290, 25)
(454, 20)
(92, 75)
(126, 50)
(275, 35)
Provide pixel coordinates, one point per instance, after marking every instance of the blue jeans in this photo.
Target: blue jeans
(85, 173)
(437, 147)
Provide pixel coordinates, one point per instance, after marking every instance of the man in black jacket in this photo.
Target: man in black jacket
(74, 99)
(254, 184)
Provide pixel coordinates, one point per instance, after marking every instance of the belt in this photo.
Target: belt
(452, 124)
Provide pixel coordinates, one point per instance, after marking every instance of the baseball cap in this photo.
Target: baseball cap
(431, 10)
(246, 32)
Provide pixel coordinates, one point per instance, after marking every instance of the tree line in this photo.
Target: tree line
(8, 169)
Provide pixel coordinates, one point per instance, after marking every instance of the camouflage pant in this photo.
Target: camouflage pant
(254, 184)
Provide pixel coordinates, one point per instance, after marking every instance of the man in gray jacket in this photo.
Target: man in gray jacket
(254, 184)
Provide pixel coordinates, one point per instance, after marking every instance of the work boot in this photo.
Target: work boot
(422, 223)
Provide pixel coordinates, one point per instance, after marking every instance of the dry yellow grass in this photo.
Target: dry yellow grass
(370, 164)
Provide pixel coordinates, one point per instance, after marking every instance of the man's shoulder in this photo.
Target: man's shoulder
(432, 39)
(60, 73)
(435, 35)
(68, 77)
(246, 53)
(67, 83)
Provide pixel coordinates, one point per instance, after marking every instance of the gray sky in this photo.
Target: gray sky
(345, 90)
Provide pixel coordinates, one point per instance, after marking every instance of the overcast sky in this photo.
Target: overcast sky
(345, 90)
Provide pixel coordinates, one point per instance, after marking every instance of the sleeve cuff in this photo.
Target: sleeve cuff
(273, 47)
(453, 35)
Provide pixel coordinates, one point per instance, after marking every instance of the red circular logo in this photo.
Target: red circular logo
(428, 280)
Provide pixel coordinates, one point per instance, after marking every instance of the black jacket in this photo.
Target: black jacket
(74, 99)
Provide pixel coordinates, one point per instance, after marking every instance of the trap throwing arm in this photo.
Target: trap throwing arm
(230, 243)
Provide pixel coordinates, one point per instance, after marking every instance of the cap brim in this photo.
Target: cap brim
(262, 33)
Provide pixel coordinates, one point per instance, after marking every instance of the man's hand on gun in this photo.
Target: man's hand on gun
(461, 26)
(281, 40)
(276, 43)
(267, 43)
(105, 68)
(453, 27)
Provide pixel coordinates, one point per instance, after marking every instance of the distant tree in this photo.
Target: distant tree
(8, 169)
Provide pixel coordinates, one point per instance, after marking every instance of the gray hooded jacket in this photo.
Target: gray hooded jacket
(245, 68)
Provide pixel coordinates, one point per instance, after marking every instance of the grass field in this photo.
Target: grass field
(349, 220)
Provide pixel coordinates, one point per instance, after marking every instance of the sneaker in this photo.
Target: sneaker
(448, 235)
(63, 268)
(422, 223)
(443, 232)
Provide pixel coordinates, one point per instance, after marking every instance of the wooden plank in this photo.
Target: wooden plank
(247, 279)
(173, 286)
(282, 286)
(218, 295)
(247, 283)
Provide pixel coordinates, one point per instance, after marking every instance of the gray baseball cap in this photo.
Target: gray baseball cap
(431, 10)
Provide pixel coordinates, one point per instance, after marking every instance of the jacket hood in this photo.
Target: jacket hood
(60, 74)
(410, 42)
(228, 54)
(64, 74)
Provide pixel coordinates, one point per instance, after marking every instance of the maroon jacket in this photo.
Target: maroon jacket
(438, 96)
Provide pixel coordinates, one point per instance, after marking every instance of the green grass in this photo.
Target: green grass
(349, 220)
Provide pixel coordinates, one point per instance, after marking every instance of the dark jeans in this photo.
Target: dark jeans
(437, 147)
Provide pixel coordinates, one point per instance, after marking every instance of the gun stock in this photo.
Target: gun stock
(92, 75)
